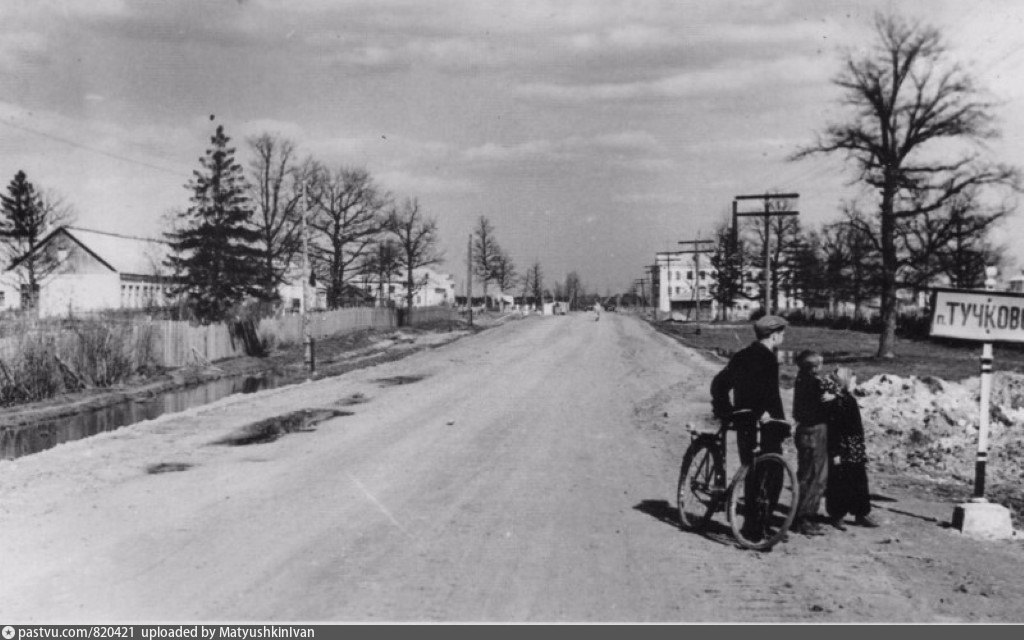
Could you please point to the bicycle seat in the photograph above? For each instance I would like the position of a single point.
(780, 429)
(741, 417)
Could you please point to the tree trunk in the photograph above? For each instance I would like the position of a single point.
(887, 339)
(409, 283)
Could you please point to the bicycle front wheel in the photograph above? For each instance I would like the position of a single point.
(763, 500)
(701, 482)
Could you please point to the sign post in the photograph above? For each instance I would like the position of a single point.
(985, 316)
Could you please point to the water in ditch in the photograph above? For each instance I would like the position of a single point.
(24, 440)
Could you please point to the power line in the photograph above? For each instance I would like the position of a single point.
(85, 147)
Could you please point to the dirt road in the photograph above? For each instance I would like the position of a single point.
(525, 473)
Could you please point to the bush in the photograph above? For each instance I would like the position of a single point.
(45, 362)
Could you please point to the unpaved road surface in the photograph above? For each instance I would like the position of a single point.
(525, 473)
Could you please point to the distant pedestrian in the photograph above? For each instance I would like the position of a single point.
(847, 492)
(812, 396)
(597, 310)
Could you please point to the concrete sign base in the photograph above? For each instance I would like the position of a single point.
(983, 520)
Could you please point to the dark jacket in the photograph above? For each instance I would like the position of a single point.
(808, 408)
(753, 377)
(846, 431)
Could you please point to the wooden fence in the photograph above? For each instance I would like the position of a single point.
(176, 344)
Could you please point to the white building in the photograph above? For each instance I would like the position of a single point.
(93, 271)
(675, 276)
(432, 288)
(678, 284)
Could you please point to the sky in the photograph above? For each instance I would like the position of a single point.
(591, 134)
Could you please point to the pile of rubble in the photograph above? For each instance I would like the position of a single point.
(930, 426)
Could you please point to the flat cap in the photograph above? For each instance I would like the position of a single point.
(767, 325)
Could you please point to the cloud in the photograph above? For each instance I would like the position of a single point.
(286, 129)
(625, 142)
(737, 77)
(413, 185)
(383, 150)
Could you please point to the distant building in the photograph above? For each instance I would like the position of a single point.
(675, 277)
(433, 288)
(94, 270)
(678, 285)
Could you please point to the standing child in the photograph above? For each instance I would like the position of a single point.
(847, 492)
(813, 395)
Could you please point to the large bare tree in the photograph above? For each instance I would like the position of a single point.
(417, 236)
(485, 253)
(348, 212)
(906, 99)
(274, 189)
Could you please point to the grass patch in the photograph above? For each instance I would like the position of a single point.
(920, 358)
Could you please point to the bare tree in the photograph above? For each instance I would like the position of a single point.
(485, 253)
(906, 97)
(27, 216)
(852, 253)
(784, 233)
(574, 291)
(950, 242)
(381, 262)
(274, 189)
(533, 284)
(349, 211)
(505, 274)
(417, 237)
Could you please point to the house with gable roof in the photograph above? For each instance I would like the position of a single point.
(95, 270)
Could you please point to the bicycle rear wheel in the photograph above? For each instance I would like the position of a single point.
(701, 482)
(763, 500)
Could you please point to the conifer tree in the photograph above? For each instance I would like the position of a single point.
(214, 247)
(27, 216)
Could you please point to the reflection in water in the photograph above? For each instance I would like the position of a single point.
(26, 439)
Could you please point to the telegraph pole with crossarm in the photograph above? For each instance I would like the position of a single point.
(767, 214)
(699, 247)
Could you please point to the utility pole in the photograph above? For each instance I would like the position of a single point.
(469, 278)
(699, 247)
(767, 214)
(308, 348)
(643, 293)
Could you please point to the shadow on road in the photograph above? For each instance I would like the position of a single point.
(665, 512)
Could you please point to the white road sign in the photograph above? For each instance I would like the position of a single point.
(985, 316)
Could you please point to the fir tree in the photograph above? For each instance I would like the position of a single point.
(24, 222)
(214, 254)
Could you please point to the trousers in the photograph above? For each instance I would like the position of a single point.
(812, 467)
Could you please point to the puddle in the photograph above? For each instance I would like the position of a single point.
(24, 440)
(271, 429)
(355, 398)
(394, 381)
(168, 467)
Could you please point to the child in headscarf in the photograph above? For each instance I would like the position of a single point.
(847, 492)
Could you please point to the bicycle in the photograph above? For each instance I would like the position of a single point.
(702, 492)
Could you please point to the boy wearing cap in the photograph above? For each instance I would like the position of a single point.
(752, 375)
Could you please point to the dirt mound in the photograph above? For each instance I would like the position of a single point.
(930, 426)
